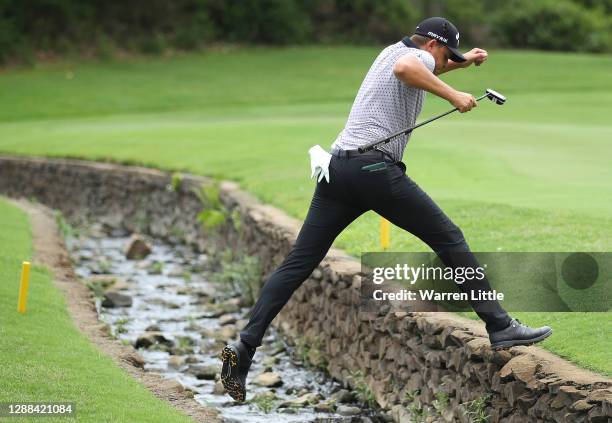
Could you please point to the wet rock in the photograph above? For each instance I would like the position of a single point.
(203, 372)
(227, 320)
(219, 310)
(153, 328)
(176, 271)
(133, 358)
(212, 313)
(114, 299)
(218, 388)
(175, 385)
(343, 397)
(192, 327)
(302, 401)
(270, 361)
(137, 248)
(85, 255)
(176, 362)
(278, 349)
(164, 303)
(192, 359)
(185, 290)
(268, 379)
(348, 410)
(149, 339)
(225, 333)
(325, 407)
(213, 346)
(144, 264)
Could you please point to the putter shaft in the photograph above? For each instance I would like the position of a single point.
(498, 98)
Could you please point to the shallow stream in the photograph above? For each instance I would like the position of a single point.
(179, 321)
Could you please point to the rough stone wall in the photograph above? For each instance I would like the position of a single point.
(399, 357)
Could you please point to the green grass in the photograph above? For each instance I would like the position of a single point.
(533, 175)
(45, 358)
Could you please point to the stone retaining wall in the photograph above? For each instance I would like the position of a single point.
(438, 360)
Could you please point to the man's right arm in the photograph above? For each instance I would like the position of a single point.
(412, 71)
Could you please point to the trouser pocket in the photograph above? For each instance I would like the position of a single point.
(375, 167)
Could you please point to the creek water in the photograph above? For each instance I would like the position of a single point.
(180, 319)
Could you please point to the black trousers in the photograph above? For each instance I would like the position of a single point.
(350, 193)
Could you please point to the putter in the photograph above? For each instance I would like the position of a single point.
(492, 95)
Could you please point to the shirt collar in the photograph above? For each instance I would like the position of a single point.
(408, 42)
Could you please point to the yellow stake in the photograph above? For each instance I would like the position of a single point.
(23, 287)
(385, 233)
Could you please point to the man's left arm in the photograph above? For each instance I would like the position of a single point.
(477, 56)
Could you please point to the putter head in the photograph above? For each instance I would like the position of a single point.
(495, 97)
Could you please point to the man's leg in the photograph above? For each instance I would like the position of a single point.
(327, 217)
(410, 208)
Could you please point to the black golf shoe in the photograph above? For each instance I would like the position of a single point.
(236, 364)
(517, 334)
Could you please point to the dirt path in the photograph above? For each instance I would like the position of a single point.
(50, 251)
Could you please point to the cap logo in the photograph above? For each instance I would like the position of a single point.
(438, 37)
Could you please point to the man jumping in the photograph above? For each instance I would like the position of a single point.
(389, 100)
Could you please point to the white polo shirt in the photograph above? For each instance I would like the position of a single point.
(384, 104)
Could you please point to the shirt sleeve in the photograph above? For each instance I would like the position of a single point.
(424, 56)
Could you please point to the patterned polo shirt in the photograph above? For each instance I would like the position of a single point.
(384, 104)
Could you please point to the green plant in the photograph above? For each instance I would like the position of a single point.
(418, 413)
(441, 402)
(244, 275)
(236, 220)
(265, 401)
(65, 229)
(99, 286)
(214, 214)
(411, 396)
(476, 409)
(364, 393)
(313, 355)
(156, 268)
(104, 266)
(176, 182)
(185, 341)
(302, 348)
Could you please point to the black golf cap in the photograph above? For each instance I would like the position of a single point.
(443, 31)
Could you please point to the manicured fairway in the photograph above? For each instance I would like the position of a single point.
(533, 175)
(45, 358)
